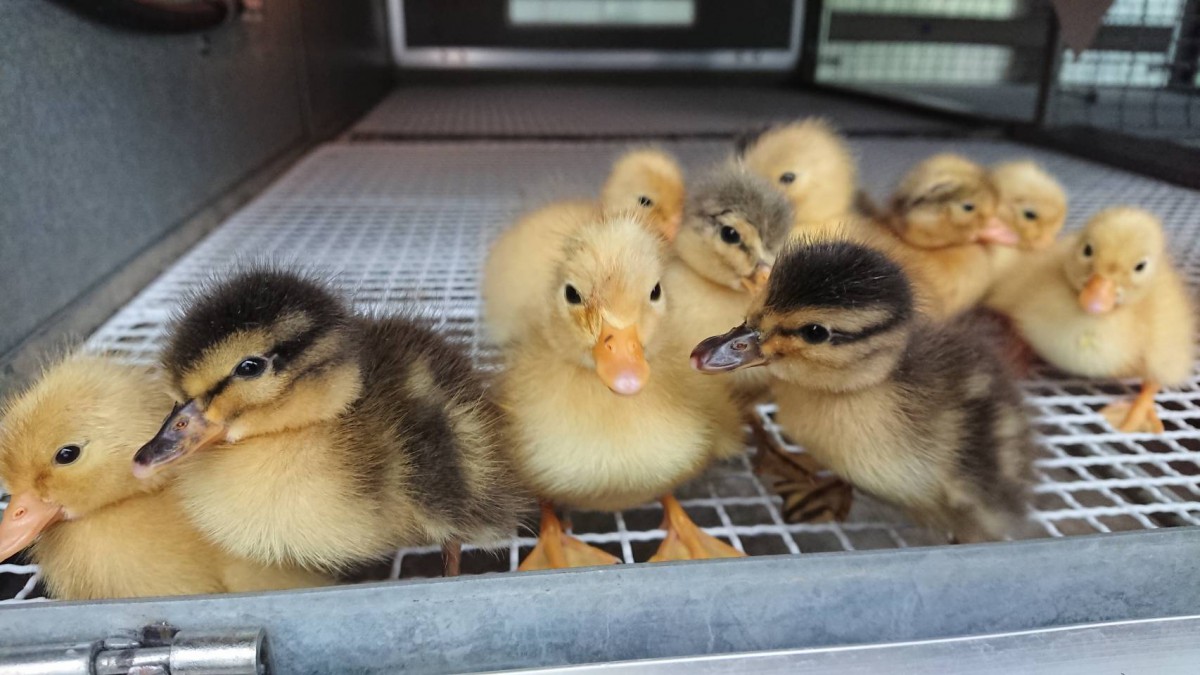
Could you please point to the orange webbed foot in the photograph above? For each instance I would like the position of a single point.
(1137, 416)
(685, 540)
(558, 550)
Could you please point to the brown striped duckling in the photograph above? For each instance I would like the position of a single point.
(919, 414)
(310, 435)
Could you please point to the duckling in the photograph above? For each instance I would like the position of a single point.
(1033, 205)
(312, 436)
(96, 531)
(606, 413)
(922, 415)
(813, 166)
(939, 222)
(1031, 202)
(734, 226)
(1106, 302)
(647, 182)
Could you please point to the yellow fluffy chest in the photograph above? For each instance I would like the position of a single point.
(699, 308)
(860, 437)
(1079, 343)
(581, 445)
(140, 547)
(282, 499)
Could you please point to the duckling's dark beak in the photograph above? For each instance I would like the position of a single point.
(26, 517)
(185, 431)
(739, 348)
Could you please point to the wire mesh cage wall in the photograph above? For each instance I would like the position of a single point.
(985, 57)
(1002, 59)
(1144, 82)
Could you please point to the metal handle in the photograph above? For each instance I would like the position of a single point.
(240, 651)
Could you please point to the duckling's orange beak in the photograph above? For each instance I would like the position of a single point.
(757, 279)
(1099, 296)
(739, 348)
(996, 231)
(620, 363)
(185, 431)
(26, 517)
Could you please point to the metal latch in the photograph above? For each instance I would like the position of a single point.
(154, 650)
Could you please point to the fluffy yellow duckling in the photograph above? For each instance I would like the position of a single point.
(96, 531)
(605, 410)
(647, 182)
(1033, 205)
(813, 166)
(1106, 302)
(1030, 201)
(919, 414)
(313, 436)
(940, 219)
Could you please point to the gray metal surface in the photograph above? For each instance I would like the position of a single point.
(546, 110)
(628, 612)
(110, 140)
(1160, 646)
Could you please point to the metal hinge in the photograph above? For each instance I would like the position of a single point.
(159, 649)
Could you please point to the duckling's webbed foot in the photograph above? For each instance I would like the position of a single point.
(1139, 415)
(557, 550)
(686, 541)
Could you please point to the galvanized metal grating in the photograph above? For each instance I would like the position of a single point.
(597, 111)
(398, 227)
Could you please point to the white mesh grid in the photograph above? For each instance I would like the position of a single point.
(397, 226)
(587, 111)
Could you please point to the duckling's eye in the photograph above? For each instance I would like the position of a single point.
(645, 201)
(1029, 214)
(1087, 250)
(67, 454)
(573, 296)
(656, 293)
(788, 178)
(1141, 266)
(251, 367)
(814, 333)
(730, 235)
(968, 207)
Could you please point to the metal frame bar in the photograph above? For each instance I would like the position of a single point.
(645, 611)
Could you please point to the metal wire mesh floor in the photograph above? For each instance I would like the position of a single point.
(589, 111)
(403, 226)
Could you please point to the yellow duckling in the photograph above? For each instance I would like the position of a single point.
(939, 221)
(1106, 302)
(605, 411)
(646, 182)
(813, 166)
(1033, 205)
(97, 532)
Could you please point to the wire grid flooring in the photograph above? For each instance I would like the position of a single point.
(405, 227)
(588, 111)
